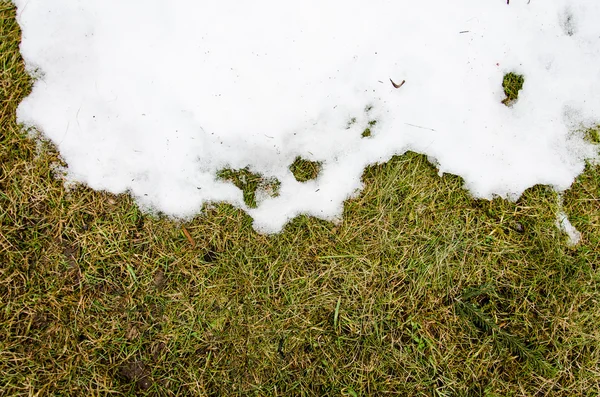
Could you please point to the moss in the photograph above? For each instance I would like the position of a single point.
(512, 84)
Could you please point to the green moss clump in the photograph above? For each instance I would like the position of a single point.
(512, 84)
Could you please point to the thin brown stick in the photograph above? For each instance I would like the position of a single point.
(188, 236)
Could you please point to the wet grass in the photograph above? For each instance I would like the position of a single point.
(420, 291)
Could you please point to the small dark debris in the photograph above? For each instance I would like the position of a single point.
(398, 85)
(280, 348)
(308, 348)
(70, 252)
(40, 321)
(139, 224)
(137, 372)
(159, 279)
(518, 227)
(155, 311)
(210, 256)
(568, 24)
(351, 122)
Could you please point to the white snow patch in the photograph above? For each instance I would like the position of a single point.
(154, 97)
(563, 223)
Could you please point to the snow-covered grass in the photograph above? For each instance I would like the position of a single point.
(420, 290)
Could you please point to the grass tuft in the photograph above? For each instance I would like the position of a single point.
(512, 83)
(367, 132)
(500, 337)
(250, 184)
(305, 170)
(592, 135)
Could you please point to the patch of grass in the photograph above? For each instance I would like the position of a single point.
(504, 340)
(593, 135)
(305, 170)
(99, 298)
(250, 183)
(367, 132)
(512, 83)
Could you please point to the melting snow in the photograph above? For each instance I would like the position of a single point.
(155, 97)
(563, 223)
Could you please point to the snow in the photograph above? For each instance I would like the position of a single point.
(153, 97)
(563, 223)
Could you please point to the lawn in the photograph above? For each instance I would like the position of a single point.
(420, 290)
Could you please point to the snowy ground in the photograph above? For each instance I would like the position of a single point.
(158, 97)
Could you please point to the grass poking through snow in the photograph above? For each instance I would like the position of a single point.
(367, 132)
(420, 291)
(251, 184)
(592, 135)
(305, 170)
(512, 83)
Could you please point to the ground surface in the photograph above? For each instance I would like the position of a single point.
(421, 290)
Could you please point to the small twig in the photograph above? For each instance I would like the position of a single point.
(418, 126)
(188, 236)
(398, 85)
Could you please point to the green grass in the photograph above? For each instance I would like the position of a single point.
(592, 135)
(512, 83)
(250, 184)
(419, 291)
(367, 132)
(371, 124)
(305, 170)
